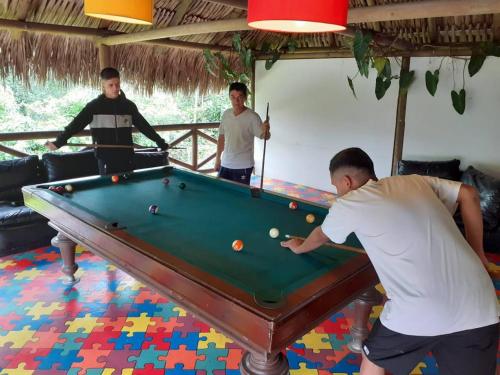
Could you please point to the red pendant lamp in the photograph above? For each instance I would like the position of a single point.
(298, 16)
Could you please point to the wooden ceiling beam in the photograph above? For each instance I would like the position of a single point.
(422, 9)
(177, 31)
(93, 34)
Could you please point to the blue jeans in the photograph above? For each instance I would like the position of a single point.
(237, 175)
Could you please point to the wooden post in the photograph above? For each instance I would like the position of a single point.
(399, 132)
(253, 86)
(104, 56)
(195, 149)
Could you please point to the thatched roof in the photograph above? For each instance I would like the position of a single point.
(74, 56)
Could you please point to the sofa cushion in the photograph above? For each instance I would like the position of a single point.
(16, 173)
(449, 169)
(150, 159)
(16, 214)
(70, 165)
(489, 195)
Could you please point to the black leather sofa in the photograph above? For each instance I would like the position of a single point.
(487, 186)
(23, 229)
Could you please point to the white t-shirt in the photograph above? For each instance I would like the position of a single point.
(239, 132)
(435, 282)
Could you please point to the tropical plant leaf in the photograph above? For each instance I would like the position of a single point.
(387, 69)
(475, 63)
(237, 42)
(361, 50)
(406, 79)
(431, 81)
(269, 64)
(458, 100)
(381, 86)
(379, 64)
(351, 85)
(248, 59)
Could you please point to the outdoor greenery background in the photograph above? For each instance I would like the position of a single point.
(52, 106)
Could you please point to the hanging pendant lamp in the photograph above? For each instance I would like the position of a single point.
(298, 16)
(129, 11)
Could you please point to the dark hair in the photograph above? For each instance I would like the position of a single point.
(238, 86)
(352, 157)
(108, 73)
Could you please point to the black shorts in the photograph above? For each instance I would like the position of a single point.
(237, 175)
(471, 352)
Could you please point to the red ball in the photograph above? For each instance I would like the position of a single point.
(293, 205)
(115, 179)
(237, 245)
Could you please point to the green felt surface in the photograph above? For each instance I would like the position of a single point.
(199, 224)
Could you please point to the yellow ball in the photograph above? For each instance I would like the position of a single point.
(237, 245)
(310, 218)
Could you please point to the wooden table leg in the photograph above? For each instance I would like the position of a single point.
(362, 309)
(255, 364)
(67, 249)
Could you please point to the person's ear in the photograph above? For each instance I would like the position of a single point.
(348, 181)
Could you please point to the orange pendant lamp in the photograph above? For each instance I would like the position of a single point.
(298, 16)
(129, 11)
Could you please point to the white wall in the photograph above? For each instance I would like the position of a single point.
(314, 115)
(434, 131)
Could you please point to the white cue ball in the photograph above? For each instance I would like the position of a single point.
(274, 232)
(68, 188)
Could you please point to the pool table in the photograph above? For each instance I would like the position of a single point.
(264, 297)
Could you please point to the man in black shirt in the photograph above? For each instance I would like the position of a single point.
(111, 117)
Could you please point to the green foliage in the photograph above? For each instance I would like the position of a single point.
(458, 100)
(218, 65)
(53, 106)
(351, 85)
(476, 62)
(431, 81)
(381, 86)
(362, 52)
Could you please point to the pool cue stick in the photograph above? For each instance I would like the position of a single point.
(95, 145)
(332, 244)
(264, 154)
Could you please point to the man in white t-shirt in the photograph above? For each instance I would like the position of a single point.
(238, 128)
(440, 296)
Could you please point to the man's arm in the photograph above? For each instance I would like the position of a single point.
(77, 125)
(315, 239)
(145, 128)
(468, 200)
(220, 148)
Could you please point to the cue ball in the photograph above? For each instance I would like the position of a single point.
(293, 205)
(182, 186)
(153, 209)
(115, 179)
(237, 245)
(166, 181)
(310, 218)
(274, 232)
(68, 188)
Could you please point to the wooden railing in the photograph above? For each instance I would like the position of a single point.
(194, 131)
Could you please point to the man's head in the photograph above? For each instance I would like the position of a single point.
(110, 79)
(350, 169)
(238, 95)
